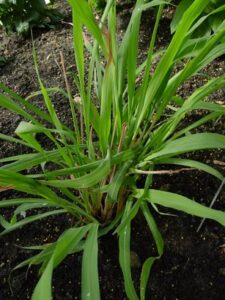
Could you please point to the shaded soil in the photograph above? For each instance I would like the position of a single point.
(193, 265)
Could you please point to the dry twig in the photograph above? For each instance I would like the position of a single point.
(162, 172)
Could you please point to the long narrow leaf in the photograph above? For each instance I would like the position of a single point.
(193, 164)
(90, 280)
(181, 203)
(85, 181)
(32, 219)
(190, 143)
(43, 289)
(124, 256)
(146, 268)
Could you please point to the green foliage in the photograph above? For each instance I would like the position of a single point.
(100, 4)
(124, 125)
(210, 20)
(2, 61)
(97, 3)
(21, 15)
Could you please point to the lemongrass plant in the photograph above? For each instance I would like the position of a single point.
(121, 136)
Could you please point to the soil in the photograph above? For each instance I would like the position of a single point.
(193, 265)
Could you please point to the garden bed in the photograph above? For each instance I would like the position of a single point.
(193, 265)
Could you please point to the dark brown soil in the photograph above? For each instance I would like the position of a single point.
(193, 265)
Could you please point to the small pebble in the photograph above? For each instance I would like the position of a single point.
(134, 260)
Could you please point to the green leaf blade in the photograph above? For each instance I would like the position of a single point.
(90, 281)
(198, 141)
(181, 203)
(43, 289)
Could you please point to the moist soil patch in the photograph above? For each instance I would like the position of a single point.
(193, 264)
